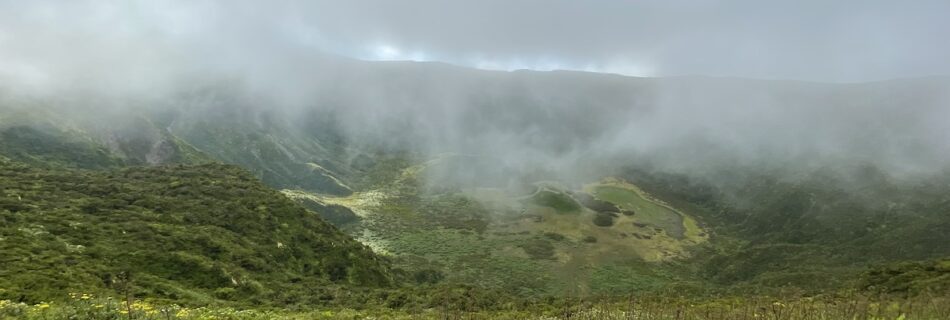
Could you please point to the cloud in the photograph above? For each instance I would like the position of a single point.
(806, 40)
(292, 57)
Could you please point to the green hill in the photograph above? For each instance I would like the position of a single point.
(195, 234)
(819, 231)
(48, 137)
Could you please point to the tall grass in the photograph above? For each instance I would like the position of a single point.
(84, 306)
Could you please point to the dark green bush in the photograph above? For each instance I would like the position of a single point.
(604, 219)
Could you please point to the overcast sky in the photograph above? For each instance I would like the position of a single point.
(808, 40)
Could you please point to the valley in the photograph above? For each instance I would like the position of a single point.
(541, 243)
(203, 204)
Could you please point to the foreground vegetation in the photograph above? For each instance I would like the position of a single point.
(202, 234)
(86, 306)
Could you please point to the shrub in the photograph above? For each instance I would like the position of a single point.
(595, 204)
(560, 202)
(428, 276)
(604, 219)
(554, 236)
(538, 249)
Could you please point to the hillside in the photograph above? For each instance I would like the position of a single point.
(819, 231)
(547, 240)
(50, 137)
(567, 183)
(194, 234)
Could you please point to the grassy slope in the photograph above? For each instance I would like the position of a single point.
(547, 244)
(539, 244)
(281, 154)
(195, 234)
(817, 232)
(42, 136)
(52, 147)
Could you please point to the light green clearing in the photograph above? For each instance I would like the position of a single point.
(647, 211)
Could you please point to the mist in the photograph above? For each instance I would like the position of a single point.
(294, 61)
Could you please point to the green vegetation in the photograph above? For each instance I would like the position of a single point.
(51, 147)
(908, 278)
(333, 213)
(454, 212)
(604, 219)
(85, 306)
(818, 232)
(589, 201)
(192, 234)
(276, 154)
(558, 201)
(213, 239)
(42, 137)
(538, 249)
(491, 240)
(648, 212)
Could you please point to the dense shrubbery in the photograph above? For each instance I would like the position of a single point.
(604, 219)
(909, 278)
(817, 231)
(454, 212)
(195, 234)
(336, 214)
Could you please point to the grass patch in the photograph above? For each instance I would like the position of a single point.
(646, 210)
(462, 303)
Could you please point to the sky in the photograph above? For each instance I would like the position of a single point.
(827, 41)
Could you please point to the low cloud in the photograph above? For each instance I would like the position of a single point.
(296, 57)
